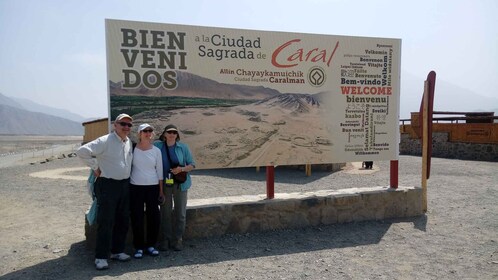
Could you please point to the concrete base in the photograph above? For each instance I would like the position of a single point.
(241, 214)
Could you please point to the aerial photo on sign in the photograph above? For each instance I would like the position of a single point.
(244, 98)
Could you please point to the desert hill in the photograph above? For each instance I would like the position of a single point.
(191, 85)
(20, 121)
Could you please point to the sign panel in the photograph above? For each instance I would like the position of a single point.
(255, 98)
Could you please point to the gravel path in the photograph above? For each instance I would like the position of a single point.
(42, 230)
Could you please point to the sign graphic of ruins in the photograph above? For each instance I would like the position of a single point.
(245, 98)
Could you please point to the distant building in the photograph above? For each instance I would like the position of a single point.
(459, 135)
(94, 129)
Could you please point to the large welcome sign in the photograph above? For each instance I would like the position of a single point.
(255, 98)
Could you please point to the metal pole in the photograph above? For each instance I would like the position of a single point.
(270, 182)
(394, 174)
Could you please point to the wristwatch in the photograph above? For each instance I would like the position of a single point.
(181, 168)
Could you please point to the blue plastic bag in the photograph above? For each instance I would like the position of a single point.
(90, 182)
(91, 214)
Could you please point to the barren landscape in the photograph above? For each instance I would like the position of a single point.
(16, 144)
(249, 135)
(42, 228)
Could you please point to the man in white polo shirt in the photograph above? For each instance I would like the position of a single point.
(110, 157)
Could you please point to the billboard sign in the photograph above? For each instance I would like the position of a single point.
(255, 98)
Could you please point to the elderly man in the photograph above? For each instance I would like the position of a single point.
(110, 158)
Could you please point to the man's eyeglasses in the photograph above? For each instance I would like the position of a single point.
(147, 130)
(172, 132)
(125, 124)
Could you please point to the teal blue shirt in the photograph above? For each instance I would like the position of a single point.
(184, 156)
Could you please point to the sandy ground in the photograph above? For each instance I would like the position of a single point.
(249, 135)
(27, 149)
(42, 228)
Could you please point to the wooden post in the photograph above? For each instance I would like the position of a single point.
(425, 142)
(307, 169)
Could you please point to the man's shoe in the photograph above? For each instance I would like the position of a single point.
(178, 245)
(101, 264)
(122, 257)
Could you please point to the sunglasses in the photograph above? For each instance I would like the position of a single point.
(172, 132)
(147, 130)
(125, 124)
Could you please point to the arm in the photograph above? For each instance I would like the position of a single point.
(89, 151)
(188, 159)
(188, 168)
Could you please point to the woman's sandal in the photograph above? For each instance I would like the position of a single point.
(153, 252)
(138, 254)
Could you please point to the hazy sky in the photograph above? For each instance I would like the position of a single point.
(53, 52)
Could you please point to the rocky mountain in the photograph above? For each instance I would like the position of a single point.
(35, 107)
(4, 100)
(17, 120)
(191, 85)
(28, 105)
(447, 97)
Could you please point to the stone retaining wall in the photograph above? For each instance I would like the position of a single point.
(218, 216)
(441, 147)
(242, 214)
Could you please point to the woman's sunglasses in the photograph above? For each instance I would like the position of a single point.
(172, 132)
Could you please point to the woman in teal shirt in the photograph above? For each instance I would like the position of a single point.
(176, 158)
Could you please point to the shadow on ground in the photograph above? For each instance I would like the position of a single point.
(78, 263)
(283, 174)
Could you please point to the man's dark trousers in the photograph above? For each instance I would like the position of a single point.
(113, 216)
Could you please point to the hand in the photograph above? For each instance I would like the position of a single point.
(161, 199)
(97, 172)
(176, 170)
